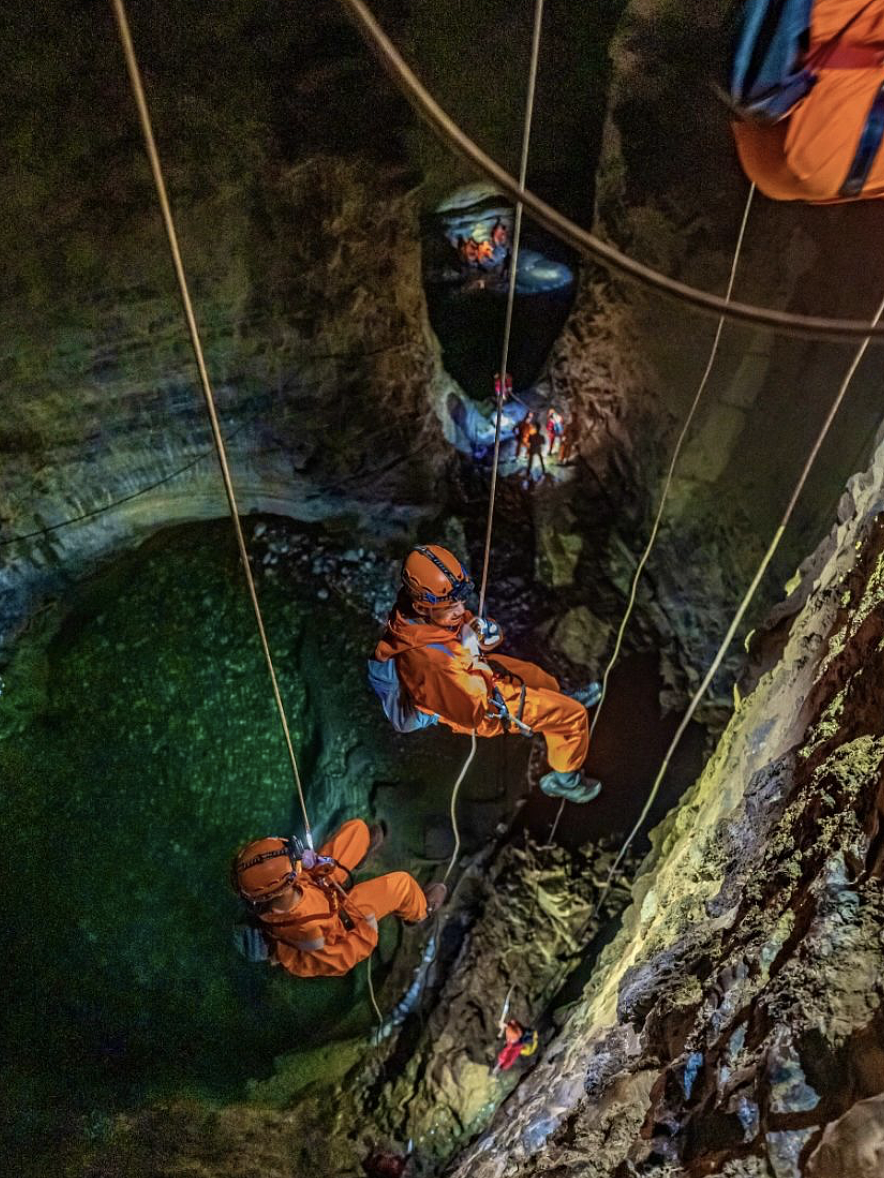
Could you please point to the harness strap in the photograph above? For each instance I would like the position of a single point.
(333, 892)
(845, 56)
(508, 719)
(502, 672)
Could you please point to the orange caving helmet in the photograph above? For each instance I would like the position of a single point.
(433, 577)
(264, 868)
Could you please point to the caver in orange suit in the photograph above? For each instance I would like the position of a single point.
(809, 154)
(445, 672)
(311, 939)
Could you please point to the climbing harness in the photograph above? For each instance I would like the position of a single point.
(784, 322)
(172, 237)
(507, 719)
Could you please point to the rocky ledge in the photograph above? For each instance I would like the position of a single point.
(733, 1028)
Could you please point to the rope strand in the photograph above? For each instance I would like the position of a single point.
(669, 474)
(172, 236)
(784, 322)
(511, 290)
(504, 361)
(744, 604)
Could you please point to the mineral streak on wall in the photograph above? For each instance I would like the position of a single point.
(734, 1026)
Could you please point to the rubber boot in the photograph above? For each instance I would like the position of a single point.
(573, 787)
(589, 695)
(436, 894)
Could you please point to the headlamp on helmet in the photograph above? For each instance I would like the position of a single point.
(263, 869)
(433, 576)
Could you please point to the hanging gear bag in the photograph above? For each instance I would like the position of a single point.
(768, 70)
(774, 65)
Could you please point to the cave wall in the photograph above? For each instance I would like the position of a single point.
(731, 1029)
(304, 265)
(322, 363)
(670, 192)
(299, 207)
(733, 1026)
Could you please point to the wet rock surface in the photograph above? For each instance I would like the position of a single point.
(733, 1029)
(431, 1081)
(735, 1022)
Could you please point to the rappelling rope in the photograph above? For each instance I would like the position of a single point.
(374, 1001)
(504, 362)
(744, 604)
(666, 488)
(511, 292)
(159, 182)
(816, 327)
(453, 808)
(669, 474)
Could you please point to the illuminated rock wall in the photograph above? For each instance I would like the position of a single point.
(322, 361)
(738, 1014)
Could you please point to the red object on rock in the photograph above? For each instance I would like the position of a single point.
(508, 1055)
(519, 1041)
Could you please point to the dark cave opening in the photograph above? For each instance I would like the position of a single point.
(631, 720)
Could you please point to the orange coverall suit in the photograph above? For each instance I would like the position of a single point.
(443, 672)
(311, 940)
(808, 154)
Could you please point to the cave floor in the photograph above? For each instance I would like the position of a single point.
(142, 745)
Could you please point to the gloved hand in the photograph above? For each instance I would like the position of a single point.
(487, 631)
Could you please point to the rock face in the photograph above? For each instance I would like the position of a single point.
(301, 236)
(431, 1080)
(322, 361)
(733, 1027)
